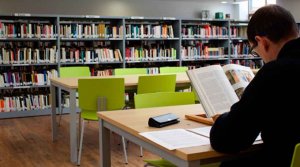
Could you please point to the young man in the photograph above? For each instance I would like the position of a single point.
(270, 104)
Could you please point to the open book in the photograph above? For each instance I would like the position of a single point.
(218, 88)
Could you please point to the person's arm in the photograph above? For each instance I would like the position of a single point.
(236, 130)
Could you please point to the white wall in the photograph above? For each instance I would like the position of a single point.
(293, 6)
(155, 8)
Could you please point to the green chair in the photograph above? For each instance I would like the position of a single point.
(296, 156)
(168, 70)
(130, 71)
(156, 83)
(103, 94)
(174, 70)
(162, 99)
(72, 72)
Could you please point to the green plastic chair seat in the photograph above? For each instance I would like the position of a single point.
(130, 71)
(89, 115)
(89, 90)
(160, 99)
(71, 72)
(160, 163)
(296, 156)
(156, 83)
(168, 70)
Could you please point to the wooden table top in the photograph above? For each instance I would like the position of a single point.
(130, 80)
(135, 121)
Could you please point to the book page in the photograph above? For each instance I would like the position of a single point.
(238, 76)
(213, 89)
(205, 131)
(176, 138)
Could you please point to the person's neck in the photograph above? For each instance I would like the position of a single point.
(279, 45)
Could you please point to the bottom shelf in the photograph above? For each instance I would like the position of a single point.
(31, 113)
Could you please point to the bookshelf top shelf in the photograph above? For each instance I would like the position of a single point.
(28, 39)
(24, 87)
(152, 39)
(91, 39)
(35, 64)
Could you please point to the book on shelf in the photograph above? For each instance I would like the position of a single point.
(218, 88)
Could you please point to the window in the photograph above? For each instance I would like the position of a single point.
(255, 4)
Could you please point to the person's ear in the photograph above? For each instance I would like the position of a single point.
(263, 41)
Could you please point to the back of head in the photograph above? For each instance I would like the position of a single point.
(273, 22)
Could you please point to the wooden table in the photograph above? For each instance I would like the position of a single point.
(129, 123)
(71, 84)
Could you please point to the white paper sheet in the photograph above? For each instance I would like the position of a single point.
(176, 138)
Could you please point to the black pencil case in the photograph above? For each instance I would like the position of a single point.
(163, 120)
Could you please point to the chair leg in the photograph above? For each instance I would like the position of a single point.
(141, 151)
(60, 114)
(79, 129)
(124, 150)
(81, 140)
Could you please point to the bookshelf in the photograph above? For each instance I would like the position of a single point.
(151, 42)
(204, 42)
(92, 41)
(28, 58)
(34, 47)
(239, 46)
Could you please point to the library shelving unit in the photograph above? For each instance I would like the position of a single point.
(28, 58)
(93, 41)
(204, 42)
(34, 47)
(151, 41)
(239, 46)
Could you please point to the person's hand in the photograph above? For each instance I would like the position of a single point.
(215, 117)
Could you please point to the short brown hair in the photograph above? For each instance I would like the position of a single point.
(272, 21)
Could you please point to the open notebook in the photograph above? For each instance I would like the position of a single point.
(181, 138)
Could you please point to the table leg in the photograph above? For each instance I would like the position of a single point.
(73, 127)
(104, 145)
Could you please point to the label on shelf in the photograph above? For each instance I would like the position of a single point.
(92, 16)
(137, 17)
(22, 14)
(168, 18)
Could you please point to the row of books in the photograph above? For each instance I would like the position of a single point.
(150, 54)
(100, 30)
(27, 30)
(109, 72)
(90, 55)
(241, 48)
(253, 64)
(201, 51)
(149, 31)
(204, 31)
(24, 103)
(238, 32)
(28, 55)
(34, 78)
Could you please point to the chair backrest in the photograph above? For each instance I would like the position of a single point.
(113, 89)
(130, 71)
(160, 99)
(156, 83)
(69, 72)
(168, 70)
(296, 156)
